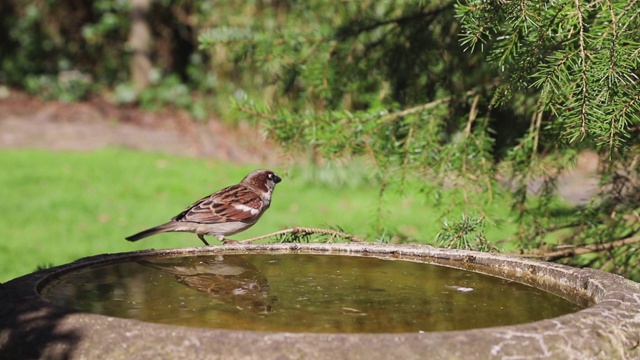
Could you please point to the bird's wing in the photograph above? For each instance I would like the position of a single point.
(234, 203)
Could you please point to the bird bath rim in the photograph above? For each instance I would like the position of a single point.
(609, 327)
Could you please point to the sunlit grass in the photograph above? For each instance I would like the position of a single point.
(60, 206)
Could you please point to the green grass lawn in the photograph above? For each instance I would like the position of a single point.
(60, 206)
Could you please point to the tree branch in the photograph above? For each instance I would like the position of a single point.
(583, 73)
(351, 31)
(302, 231)
(581, 250)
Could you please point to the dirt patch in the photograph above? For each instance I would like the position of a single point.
(28, 122)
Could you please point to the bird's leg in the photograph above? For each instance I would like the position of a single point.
(203, 240)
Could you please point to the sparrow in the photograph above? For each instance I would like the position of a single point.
(226, 212)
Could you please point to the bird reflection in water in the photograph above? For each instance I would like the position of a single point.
(230, 279)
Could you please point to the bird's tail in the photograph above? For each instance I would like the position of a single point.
(154, 230)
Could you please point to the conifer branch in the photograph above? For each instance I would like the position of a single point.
(256, 113)
(630, 7)
(581, 250)
(302, 231)
(351, 31)
(420, 108)
(583, 73)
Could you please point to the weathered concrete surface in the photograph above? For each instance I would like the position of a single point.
(608, 329)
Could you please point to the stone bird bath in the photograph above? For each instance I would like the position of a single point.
(608, 327)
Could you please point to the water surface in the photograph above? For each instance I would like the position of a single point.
(303, 293)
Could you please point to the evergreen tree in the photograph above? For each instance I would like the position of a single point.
(467, 95)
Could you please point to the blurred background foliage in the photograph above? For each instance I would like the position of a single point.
(486, 98)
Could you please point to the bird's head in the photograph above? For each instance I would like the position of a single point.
(262, 180)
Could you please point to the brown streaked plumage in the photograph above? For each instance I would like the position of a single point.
(226, 212)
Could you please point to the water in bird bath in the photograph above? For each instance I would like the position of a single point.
(303, 293)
